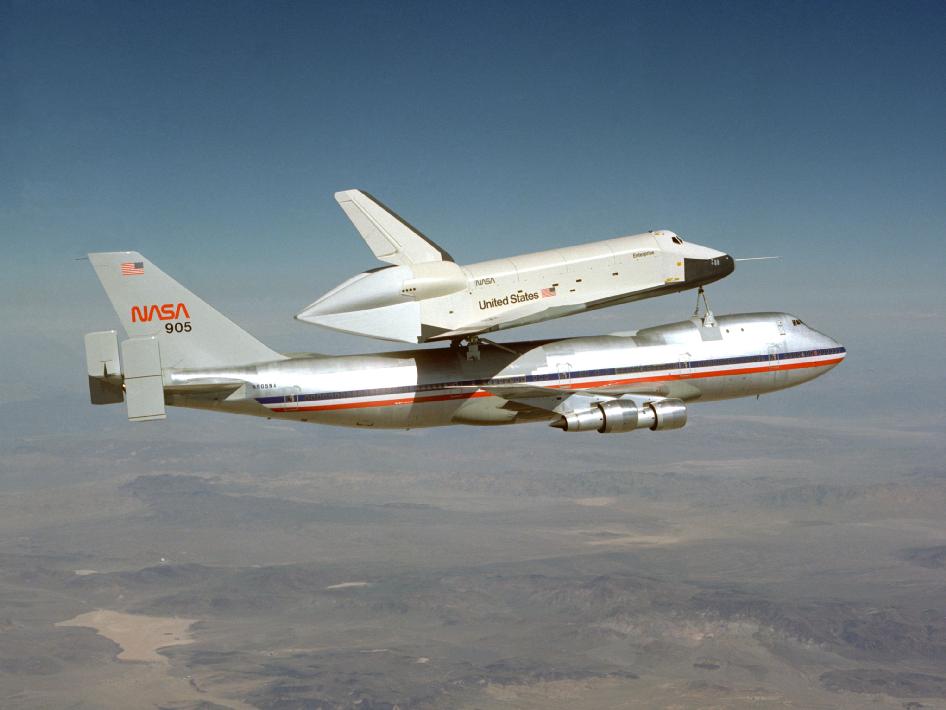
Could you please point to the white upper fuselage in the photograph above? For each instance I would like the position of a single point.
(442, 300)
(740, 355)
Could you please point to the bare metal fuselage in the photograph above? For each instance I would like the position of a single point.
(741, 355)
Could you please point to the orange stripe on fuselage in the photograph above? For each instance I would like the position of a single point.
(387, 402)
(699, 375)
(567, 386)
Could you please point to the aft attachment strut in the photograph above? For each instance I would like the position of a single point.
(471, 346)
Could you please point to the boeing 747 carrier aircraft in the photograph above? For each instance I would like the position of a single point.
(182, 352)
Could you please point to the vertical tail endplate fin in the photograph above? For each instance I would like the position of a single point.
(144, 384)
(389, 237)
(190, 333)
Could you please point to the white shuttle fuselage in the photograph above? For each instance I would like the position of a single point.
(425, 296)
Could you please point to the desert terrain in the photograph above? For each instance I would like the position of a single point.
(207, 561)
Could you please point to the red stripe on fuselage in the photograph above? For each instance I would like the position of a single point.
(567, 386)
(387, 402)
(698, 375)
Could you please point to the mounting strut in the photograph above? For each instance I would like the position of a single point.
(708, 319)
(471, 346)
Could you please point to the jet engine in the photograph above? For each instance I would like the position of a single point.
(617, 415)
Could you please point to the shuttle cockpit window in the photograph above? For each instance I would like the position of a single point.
(795, 321)
(677, 240)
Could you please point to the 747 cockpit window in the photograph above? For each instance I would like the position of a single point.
(795, 321)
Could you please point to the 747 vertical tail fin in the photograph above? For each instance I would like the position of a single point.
(189, 331)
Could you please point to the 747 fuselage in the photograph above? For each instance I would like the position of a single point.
(736, 356)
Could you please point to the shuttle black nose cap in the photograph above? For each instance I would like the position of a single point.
(699, 272)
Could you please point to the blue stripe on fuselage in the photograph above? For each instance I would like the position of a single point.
(549, 377)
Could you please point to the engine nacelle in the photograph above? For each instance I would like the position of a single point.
(669, 414)
(616, 415)
(584, 420)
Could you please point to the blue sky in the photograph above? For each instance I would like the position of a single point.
(211, 136)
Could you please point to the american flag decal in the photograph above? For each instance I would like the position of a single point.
(133, 268)
(546, 292)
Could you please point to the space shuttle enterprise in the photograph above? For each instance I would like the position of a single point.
(423, 295)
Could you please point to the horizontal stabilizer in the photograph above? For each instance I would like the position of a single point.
(389, 237)
(103, 367)
(207, 392)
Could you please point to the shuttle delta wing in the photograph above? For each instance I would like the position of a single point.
(389, 237)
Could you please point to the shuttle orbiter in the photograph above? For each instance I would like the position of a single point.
(424, 295)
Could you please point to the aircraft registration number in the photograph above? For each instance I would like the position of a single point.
(179, 327)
